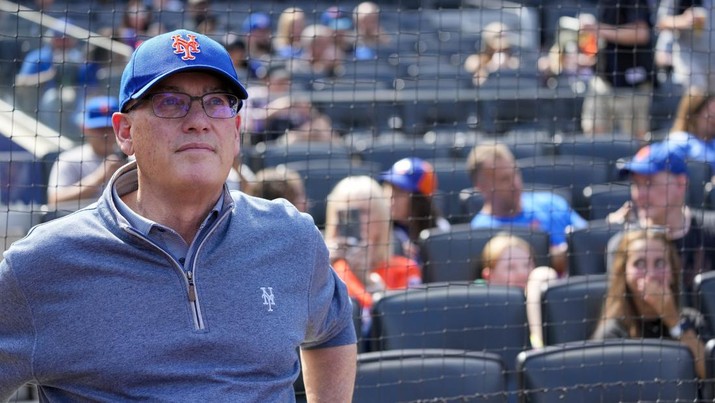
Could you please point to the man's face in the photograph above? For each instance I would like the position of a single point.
(705, 121)
(655, 194)
(500, 181)
(180, 153)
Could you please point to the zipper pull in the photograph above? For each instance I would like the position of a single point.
(192, 289)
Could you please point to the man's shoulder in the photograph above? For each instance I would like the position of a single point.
(278, 211)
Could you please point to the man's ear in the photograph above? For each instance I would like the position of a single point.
(121, 123)
(486, 272)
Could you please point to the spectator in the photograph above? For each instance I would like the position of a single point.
(239, 56)
(687, 22)
(321, 55)
(258, 30)
(137, 24)
(572, 55)
(693, 129)
(643, 294)
(308, 124)
(81, 173)
(287, 41)
(169, 264)
(280, 182)
(47, 80)
(196, 11)
(494, 173)
(497, 53)
(341, 24)
(659, 184)
(622, 88)
(410, 184)
(369, 37)
(259, 114)
(508, 260)
(357, 232)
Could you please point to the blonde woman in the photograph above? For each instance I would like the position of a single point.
(358, 234)
(287, 41)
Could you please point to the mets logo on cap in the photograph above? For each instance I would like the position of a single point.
(184, 47)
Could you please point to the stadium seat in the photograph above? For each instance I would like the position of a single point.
(576, 172)
(390, 151)
(620, 370)
(605, 198)
(704, 289)
(699, 176)
(708, 385)
(571, 307)
(451, 179)
(454, 255)
(609, 147)
(587, 247)
(273, 154)
(429, 375)
(454, 315)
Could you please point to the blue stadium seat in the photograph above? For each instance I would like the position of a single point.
(608, 371)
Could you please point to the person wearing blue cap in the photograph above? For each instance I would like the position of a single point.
(81, 173)
(257, 28)
(659, 184)
(410, 184)
(171, 287)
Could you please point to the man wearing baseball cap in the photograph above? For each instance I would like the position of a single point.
(410, 184)
(171, 287)
(659, 184)
(81, 173)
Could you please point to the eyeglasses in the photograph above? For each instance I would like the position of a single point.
(174, 105)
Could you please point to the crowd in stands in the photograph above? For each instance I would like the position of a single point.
(376, 216)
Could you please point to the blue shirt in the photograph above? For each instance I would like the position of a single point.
(539, 210)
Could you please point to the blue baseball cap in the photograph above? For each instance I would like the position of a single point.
(337, 19)
(256, 21)
(173, 52)
(655, 158)
(412, 174)
(98, 112)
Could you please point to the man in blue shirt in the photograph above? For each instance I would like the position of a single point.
(494, 173)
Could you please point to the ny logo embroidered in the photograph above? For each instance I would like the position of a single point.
(188, 48)
(268, 298)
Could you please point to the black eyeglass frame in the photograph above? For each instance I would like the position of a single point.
(192, 98)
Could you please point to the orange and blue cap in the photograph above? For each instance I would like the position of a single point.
(174, 52)
(412, 174)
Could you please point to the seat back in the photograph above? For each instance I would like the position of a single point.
(605, 198)
(571, 307)
(454, 315)
(269, 155)
(704, 289)
(609, 147)
(575, 172)
(587, 247)
(608, 371)
(429, 374)
(454, 255)
(699, 175)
